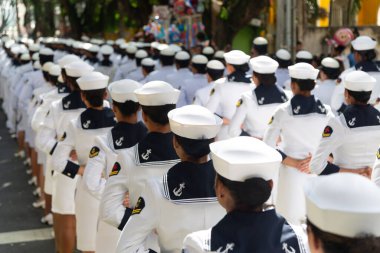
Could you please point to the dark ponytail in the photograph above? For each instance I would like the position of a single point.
(194, 148)
(250, 194)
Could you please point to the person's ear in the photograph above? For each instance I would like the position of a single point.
(105, 95)
(270, 182)
(144, 117)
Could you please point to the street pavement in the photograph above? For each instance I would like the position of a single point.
(20, 227)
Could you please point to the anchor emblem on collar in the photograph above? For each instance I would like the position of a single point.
(178, 191)
(378, 118)
(287, 249)
(297, 109)
(322, 108)
(352, 122)
(261, 100)
(62, 90)
(87, 124)
(67, 104)
(145, 155)
(229, 246)
(119, 142)
(284, 98)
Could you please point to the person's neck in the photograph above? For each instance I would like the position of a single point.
(99, 108)
(303, 93)
(132, 119)
(157, 128)
(203, 159)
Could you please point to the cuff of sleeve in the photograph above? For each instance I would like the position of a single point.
(282, 154)
(53, 148)
(127, 214)
(330, 169)
(71, 169)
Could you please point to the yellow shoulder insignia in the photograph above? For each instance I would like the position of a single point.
(239, 103)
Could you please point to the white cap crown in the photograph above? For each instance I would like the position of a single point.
(303, 71)
(124, 90)
(93, 81)
(263, 64)
(359, 81)
(303, 54)
(156, 93)
(283, 54)
(236, 57)
(78, 69)
(215, 64)
(55, 70)
(329, 62)
(199, 59)
(363, 43)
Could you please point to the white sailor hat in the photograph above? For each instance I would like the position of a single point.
(167, 52)
(359, 81)
(25, 57)
(208, 50)
(303, 71)
(37, 65)
(283, 54)
(47, 65)
(69, 58)
(46, 51)
(78, 69)
(219, 54)
(55, 70)
(363, 43)
(329, 62)
(131, 49)
(182, 56)
(9, 43)
(34, 47)
(236, 57)
(156, 93)
(148, 62)
(85, 38)
(303, 54)
(96, 41)
(263, 64)
(154, 44)
(141, 53)
(110, 42)
(35, 56)
(175, 48)
(124, 90)
(215, 64)
(259, 41)
(77, 44)
(343, 204)
(162, 47)
(93, 81)
(60, 79)
(91, 47)
(106, 49)
(199, 59)
(119, 41)
(194, 122)
(15, 49)
(241, 158)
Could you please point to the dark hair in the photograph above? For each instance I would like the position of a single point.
(131, 56)
(339, 49)
(332, 243)
(166, 60)
(138, 61)
(158, 114)
(367, 55)
(283, 63)
(148, 69)
(94, 97)
(265, 79)
(261, 49)
(72, 83)
(127, 108)
(331, 73)
(248, 195)
(46, 75)
(360, 96)
(304, 84)
(182, 63)
(200, 68)
(242, 68)
(215, 74)
(298, 60)
(53, 79)
(194, 148)
(45, 58)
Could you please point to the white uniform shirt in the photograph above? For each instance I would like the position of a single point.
(161, 74)
(282, 75)
(190, 87)
(324, 90)
(176, 79)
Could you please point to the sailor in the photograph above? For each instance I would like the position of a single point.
(259, 46)
(301, 56)
(342, 214)
(126, 133)
(106, 66)
(182, 62)
(284, 60)
(214, 73)
(256, 107)
(326, 84)
(167, 67)
(128, 66)
(151, 157)
(219, 55)
(354, 136)
(224, 96)
(185, 194)
(137, 74)
(208, 52)
(299, 123)
(196, 82)
(246, 169)
(95, 120)
(365, 55)
(147, 66)
(91, 52)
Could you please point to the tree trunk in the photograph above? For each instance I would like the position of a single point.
(75, 24)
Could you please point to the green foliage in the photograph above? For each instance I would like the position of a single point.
(356, 6)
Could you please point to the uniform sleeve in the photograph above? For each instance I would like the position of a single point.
(46, 139)
(274, 129)
(337, 98)
(141, 225)
(112, 210)
(376, 169)
(195, 242)
(214, 101)
(61, 156)
(182, 98)
(330, 140)
(97, 161)
(234, 128)
(197, 99)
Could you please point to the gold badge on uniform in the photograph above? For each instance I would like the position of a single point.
(139, 206)
(115, 169)
(212, 92)
(63, 137)
(94, 152)
(378, 154)
(271, 121)
(327, 132)
(239, 103)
